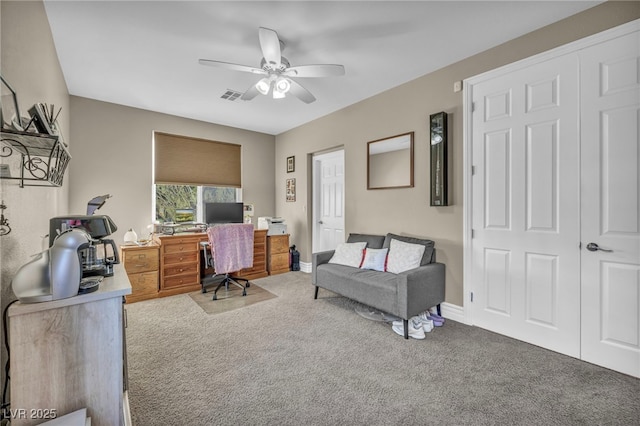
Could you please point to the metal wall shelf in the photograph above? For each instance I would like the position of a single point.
(44, 158)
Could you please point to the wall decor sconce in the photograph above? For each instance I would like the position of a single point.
(438, 133)
(4, 223)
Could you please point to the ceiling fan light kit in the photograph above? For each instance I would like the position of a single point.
(278, 71)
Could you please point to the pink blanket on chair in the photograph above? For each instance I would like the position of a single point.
(232, 246)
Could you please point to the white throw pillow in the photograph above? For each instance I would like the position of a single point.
(375, 259)
(404, 256)
(348, 254)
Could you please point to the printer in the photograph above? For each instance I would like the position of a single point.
(274, 225)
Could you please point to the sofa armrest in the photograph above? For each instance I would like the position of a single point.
(421, 288)
(318, 259)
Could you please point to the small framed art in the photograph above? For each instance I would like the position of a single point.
(291, 164)
(9, 111)
(291, 190)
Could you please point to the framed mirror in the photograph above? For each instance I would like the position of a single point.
(390, 162)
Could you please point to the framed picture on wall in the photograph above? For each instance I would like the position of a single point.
(291, 190)
(9, 111)
(438, 133)
(291, 164)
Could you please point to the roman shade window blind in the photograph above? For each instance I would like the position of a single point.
(182, 160)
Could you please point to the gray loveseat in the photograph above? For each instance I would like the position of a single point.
(404, 295)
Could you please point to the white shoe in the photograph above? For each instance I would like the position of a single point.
(427, 324)
(415, 328)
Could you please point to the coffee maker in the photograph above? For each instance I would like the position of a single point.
(55, 273)
(99, 256)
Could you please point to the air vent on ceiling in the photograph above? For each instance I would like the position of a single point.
(231, 95)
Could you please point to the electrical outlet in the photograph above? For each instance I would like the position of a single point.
(457, 86)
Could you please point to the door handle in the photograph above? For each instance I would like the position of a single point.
(595, 247)
(320, 222)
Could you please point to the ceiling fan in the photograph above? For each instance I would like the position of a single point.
(277, 71)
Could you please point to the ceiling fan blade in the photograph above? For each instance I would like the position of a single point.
(328, 70)
(230, 66)
(301, 93)
(251, 93)
(270, 44)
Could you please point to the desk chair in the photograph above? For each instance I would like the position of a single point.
(231, 248)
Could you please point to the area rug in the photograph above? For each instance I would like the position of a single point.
(231, 299)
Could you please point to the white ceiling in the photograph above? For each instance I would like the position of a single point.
(145, 54)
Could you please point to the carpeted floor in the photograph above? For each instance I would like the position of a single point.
(293, 360)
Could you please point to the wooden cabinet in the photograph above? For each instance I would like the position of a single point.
(181, 268)
(278, 254)
(69, 354)
(141, 264)
(259, 269)
(179, 263)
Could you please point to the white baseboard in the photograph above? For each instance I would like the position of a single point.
(305, 267)
(453, 312)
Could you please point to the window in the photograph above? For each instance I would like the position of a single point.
(185, 203)
(189, 172)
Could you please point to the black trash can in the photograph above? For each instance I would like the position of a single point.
(294, 256)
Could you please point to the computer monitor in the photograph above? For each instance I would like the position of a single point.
(223, 213)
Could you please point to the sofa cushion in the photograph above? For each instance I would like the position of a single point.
(428, 255)
(375, 259)
(348, 254)
(404, 256)
(373, 241)
(373, 288)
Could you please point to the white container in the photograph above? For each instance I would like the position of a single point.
(130, 237)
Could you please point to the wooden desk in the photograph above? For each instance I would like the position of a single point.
(180, 268)
(68, 354)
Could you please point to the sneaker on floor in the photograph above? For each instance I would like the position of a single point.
(427, 324)
(415, 328)
(426, 315)
(433, 312)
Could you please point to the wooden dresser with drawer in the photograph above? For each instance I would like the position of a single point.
(141, 264)
(180, 266)
(277, 254)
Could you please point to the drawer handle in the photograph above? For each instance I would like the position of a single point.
(181, 248)
(141, 265)
(180, 270)
(142, 256)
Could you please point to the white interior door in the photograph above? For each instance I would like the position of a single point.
(610, 204)
(525, 243)
(328, 210)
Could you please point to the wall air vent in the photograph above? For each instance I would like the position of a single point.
(231, 95)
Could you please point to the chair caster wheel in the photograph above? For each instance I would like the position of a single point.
(214, 297)
(204, 290)
(244, 293)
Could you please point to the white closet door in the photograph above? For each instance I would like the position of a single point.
(611, 204)
(525, 244)
(328, 226)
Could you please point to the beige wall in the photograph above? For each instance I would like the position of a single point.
(28, 61)
(403, 109)
(113, 155)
